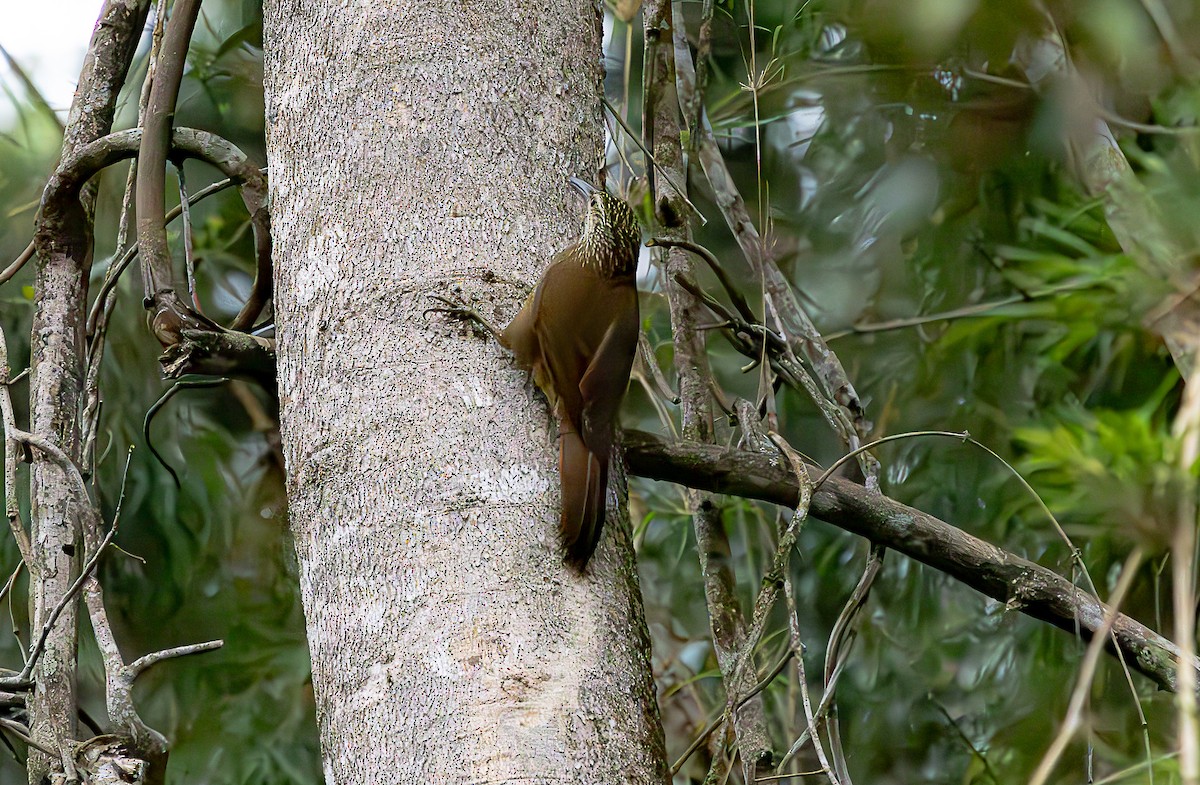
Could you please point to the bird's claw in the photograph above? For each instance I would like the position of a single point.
(456, 308)
(461, 310)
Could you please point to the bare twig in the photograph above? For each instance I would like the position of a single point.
(118, 686)
(1186, 430)
(662, 129)
(693, 105)
(735, 296)
(84, 574)
(183, 384)
(781, 777)
(779, 299)
(698, 742)
(12, 510)
(119, 677)
(661, 385)
(763, 602)
(12, 579)
(978, 754)
(763, 683)
(1083, 684)
(81, 490)
(189, 251)
(155, 144)
(194, 343)
(143, 663)
(760, 343)
(835, 656)
(6, 592)
(1146, 128)
(16, 265)
(22, 733)
(841, 638)
(119, 265)
(105, 301)
(165, 307)
(632, 135)
(798, 648)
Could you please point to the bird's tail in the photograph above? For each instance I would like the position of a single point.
(584, 479)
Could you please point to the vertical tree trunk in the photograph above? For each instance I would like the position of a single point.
(413, 147)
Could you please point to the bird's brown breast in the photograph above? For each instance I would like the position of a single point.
(563, 324)
(577, 335)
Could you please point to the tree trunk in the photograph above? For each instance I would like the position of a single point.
(414, 147)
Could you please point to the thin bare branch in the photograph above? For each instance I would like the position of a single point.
(735, 296)
(1186, 429)
(661, 385)
(105, 301)
(660, 116)
(693, 104)
(798, 648)
(22, 733)
(52, 619)
(763, 683)
(8, 420)
(194, 344)
(119, 265)
(653, 162)
(1087, 670)
(780, 299)
(63, 240)
(16, 265)
(143, 663)
(189, 250)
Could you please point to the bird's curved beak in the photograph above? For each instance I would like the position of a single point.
(583, 186)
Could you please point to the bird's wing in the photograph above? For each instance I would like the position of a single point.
(520, 336)
(562, 319)
(603, 383)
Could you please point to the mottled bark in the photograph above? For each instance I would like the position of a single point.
(412, 148)
(64, 249)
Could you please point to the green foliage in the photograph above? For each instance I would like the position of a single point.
(883, 149)
(897, 183)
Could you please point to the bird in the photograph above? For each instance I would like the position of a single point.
(577, 334)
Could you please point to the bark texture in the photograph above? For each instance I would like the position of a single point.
(414, 147)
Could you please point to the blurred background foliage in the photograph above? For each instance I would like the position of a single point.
(900, 167)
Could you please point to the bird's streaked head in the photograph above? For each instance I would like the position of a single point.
(611, 234)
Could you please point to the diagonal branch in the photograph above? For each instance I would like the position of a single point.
(1019, 583)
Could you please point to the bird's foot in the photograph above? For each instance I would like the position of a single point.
(463, 311)
(489, 277)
